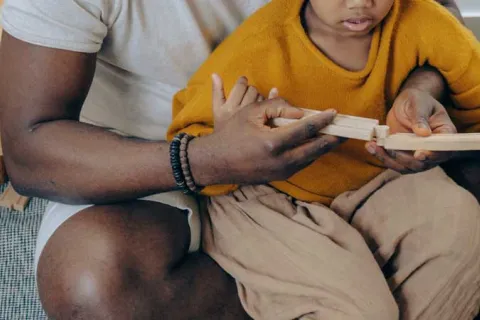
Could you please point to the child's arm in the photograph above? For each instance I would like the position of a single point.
(455, 53)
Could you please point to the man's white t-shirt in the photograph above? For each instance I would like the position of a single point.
(147, 49)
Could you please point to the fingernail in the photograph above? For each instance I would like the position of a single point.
(331, 111)
(215, 77)
(420, 156)
(273, 93)
(423, 125)
(371, 149)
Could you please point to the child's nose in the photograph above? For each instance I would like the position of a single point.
(354, 4)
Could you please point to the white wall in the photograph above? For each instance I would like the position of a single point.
(471, 11)
(469, 7)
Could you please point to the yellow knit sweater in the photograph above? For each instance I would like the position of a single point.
(272, 50)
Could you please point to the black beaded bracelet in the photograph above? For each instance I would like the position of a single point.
(180, 164)
(187, 174)
(175, 161)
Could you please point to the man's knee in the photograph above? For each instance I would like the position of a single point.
(106, 261)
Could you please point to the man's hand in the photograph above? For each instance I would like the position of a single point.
(241, 95)
(415, 111)
(245, 150)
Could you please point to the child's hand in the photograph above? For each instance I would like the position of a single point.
(418, 112)
(241, 95)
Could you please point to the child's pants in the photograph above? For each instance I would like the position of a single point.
(410, 249)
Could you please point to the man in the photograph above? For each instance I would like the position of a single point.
(118, 63)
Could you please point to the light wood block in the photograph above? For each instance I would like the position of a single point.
(346, 120)
(368, 129)
(342, 126)
(10, 199)
(435, 142)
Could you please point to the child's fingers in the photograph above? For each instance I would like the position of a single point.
(422, 155)
(238, 92)
(385, 158)
(250, 96)
(408, 161)
(433, 156)
(218, 93)
(273, 93)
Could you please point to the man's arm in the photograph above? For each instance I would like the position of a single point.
(50, 154)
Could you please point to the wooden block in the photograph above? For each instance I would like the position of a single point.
(336, 130)
(368, 129)
(349, 132)
(10, 199)
(342, 126)
(435, 142)
(347, 121)
(381, 133)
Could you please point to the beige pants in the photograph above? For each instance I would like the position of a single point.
(403, 247)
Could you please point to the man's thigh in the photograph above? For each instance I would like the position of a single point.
(131, 261)
(56, 214)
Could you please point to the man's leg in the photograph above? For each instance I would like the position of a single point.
(425, 233)
(130, 261)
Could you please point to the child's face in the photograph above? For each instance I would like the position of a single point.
(354, 17)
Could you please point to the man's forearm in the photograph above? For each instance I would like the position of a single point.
(86, 164)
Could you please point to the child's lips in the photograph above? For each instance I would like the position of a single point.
(358, 24)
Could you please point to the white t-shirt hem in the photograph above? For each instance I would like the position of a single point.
(47, 42)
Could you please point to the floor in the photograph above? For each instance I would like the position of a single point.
(18, 232)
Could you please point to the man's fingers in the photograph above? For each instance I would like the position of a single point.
(313, 149)
(250, 96)
(304, 129)
(238, 92)
(218, 93)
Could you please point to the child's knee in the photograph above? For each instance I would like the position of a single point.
(456, 219)
(382, 308)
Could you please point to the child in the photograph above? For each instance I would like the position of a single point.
(285, 244)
